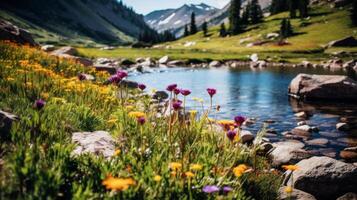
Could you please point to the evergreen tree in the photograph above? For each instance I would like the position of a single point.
(278, 6)
(285, 28)
(354, 13)
(246, 14)
(293, 5)
(234, 17)
(193, 27)
(256, 13)
(223, 31)
(186, 33)
(303, 8)
(204, 28)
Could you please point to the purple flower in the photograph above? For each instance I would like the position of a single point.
(114, 79)
(141, 120)
(177, 91)
(211, 91)
(227, 189)
(231, 135)
(39, 104)
(171, 87)
(82, 77)
(239, 120)
(122, 74)
(177, 105)
(141, 86)
(210, 189)
(185, 92)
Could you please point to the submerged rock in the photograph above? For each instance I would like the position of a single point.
(324, 177)
(97, 143)
(331, 87)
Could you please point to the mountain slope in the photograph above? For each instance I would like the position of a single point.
(175, 19)
(102, 21)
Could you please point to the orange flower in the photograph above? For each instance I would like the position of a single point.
(240, 170)
(189, 174)
(290, 167)
(118, 184)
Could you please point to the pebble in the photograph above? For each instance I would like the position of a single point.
(318, 142)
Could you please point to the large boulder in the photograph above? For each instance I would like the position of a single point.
(48, 48)
(97, 143)
(6, 120)
(246, 136)
(348, 196)
(344, 42)
(164, 60)
(65, 50)
(287, 152)
(330, 87)
(324, 177)
(295, 195)
(13, 33)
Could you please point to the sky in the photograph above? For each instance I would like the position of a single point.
(146, 6)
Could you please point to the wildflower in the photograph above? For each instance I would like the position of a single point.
(129, 107)
(117, 152)
(118, 184)
(211, 91)
(171, 87)
(196, 167)
(141, 120)
(240, 170)
(141, 86)
(45, 95)
(174, 173)
(185, 92)
(157, 178)
(193, 113)
(39, 104)
(227, 189)
(226, 124)
(177, 91)
(175, 166)
(239, 120)
(288, 189)
(122, 74)
(210, 189)
(189, 174)
(10, 79)
(231, 135)
(82, 77)
(136, 114)
(290, 167)
(177, 105)
(114, 79)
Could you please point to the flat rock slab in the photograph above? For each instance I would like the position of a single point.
(324, 177)
(330, 87)
(97, 143)
(287, 152)
(295, 195)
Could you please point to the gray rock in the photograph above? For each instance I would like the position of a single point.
(306, 128)
(160, 95)
(324, 177)
(48, 48)
(215, 64)
(65, 50)
(129, 84)
(318, 142)
(302, 114)
(287, 152)
(246, 136)
(6, 120)
(295, 195)
(348, 196)
(164, 60)
(272, 35)
(139, 60)
(8, 31)
(175, 63)
(344, 42)
(342, 127)
(97, 143)
(330, 87)
(301, 123)
(349, 64)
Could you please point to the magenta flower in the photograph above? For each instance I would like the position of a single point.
(227, 189)
(231, 135)
(141, 120)
(239, 120)
(141, 86)
(185, 92)
(177, 105)
(114, 79)
(211, 91)
(39, 104)
(210, 189)
(81, 77)
(177, 91)
(122, 74)
(171, 87)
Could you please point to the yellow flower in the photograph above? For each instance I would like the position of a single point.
(175, 166)
(118, 184)
(45, 95)
(290, 167)
(225, 122)
(112, 121)
(193, 113)
(196, 167)
(117, 152)
(157, 178)
(59, 100)
(129, 107)
(288, 189)
(10, 79)
(137, 114)
(189, 174)
(239, 170)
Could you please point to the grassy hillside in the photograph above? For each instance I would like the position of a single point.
(311, 34)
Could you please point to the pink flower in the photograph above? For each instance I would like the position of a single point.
(231, 135)
(114, 79)
(177, 105)
(39, 104)
(171, 87)
(239, 120)
(122, 74)
(177, 91)
(141, 86)
(211, 91)
(185, 92)
(141, 120)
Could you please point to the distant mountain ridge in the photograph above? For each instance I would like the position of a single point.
(102, 21)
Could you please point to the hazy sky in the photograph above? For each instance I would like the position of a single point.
(146, 6)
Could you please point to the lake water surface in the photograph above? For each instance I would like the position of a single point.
(260, 94)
